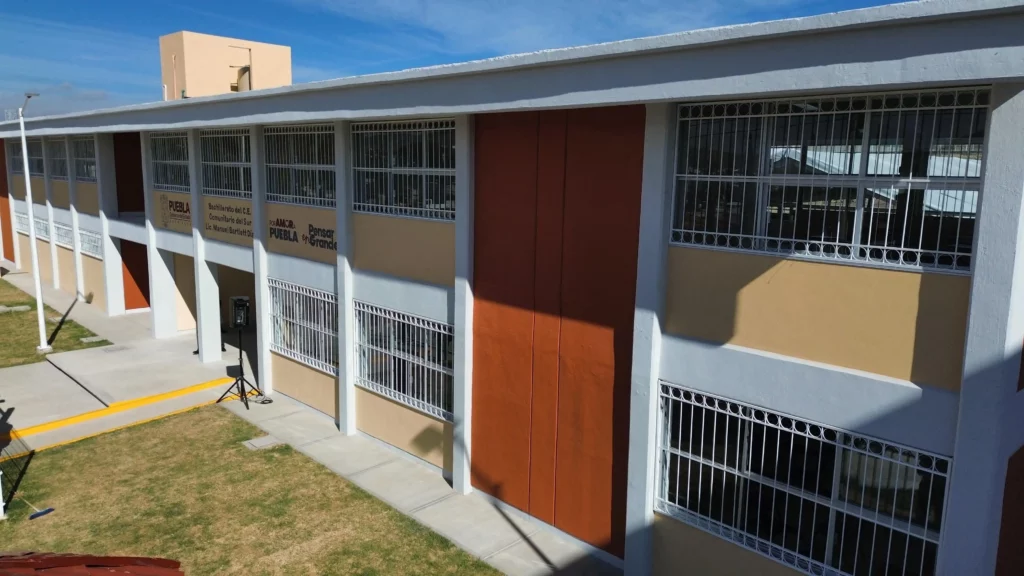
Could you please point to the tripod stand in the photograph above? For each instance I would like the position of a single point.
(240, 383)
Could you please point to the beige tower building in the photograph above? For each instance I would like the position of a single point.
(193, 64)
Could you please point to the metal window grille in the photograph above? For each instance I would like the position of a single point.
(21, 222)
(887, 179)
(819, 499)
(83, 149)
(300, 164)
(36, 164)
(63, 235)
(42, 228)
(169, 160)
(405, 168)
(91, 243)
(227, 163)
(406, 358)
(304, 324)
(14, 153)
(57, 159)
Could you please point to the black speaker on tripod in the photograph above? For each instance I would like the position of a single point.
(240, 312)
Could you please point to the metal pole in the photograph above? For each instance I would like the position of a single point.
(43, 347)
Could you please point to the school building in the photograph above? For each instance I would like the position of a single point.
(745, 300)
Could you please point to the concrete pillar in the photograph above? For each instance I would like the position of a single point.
(48, 179)
(76, 241)
(261, 310)
(346, 315)
(106, 184)
(992, 357)
(11, 170)
(207, 291)
(655, 209)
(163, 301)
(463, 405)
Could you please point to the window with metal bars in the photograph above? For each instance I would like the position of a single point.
(169, 160)
(227, 163)
(63, 235)
(300, 164)
(888, 179)
(814, 497)
(57, 159)
(21, 222)
(42, 228)
(36, 164)
(15, 157)
(304, 324)
(405, 168)
(406, 358)
(83, 150)
(91, 243)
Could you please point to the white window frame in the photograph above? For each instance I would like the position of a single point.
(425, 384)
(21, 222)
(63, 235)
(84, 151)
(878, 455)
(169, 161)
(378, 169)
(304, 325)
(295, 150)
(226, 153)
(56, 157)
(963, 190)
(42, 228)
(36, 163)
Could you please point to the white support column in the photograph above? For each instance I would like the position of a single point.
(992, 358)
(76, 241)
(163, 301)
(259, 260)
(207, 290)
(655, 209)
(48, 180)
(346, 316)
(10, 206)
(106, 185)
(463, 381)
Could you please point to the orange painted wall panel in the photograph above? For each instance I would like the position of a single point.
(503, 267)
(604, 166)
(135, 271)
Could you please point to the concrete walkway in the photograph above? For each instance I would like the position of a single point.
(500, 535)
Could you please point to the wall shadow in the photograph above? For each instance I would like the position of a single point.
(15, 456)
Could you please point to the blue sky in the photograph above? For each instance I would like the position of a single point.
(100, 53)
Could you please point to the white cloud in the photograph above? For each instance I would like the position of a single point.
(523, 25)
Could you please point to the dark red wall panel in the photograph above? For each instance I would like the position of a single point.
(604, 169)
(128, 172)
(557, 224)
(1010, 554)
(5, 208)
(548, 321)
(503, 276)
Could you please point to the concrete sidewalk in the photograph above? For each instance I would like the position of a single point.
(500, 535)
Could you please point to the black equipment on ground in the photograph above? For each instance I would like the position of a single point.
(241, 386)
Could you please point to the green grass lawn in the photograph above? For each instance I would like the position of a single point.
(19, 334)
(186, 488)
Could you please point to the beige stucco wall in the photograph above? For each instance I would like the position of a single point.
(38, 190)
(411, 248)
(87, 198)
(18, 186)
(204, 65)
(26, 252)
(60, 194)
(45, 261)
(410, 430)
(233, 282)
(92, 280)
(682, 549)
(172, 211)
(302, 231)
(185, 293)
(906, 325)
(305, 384)
(66, 269)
